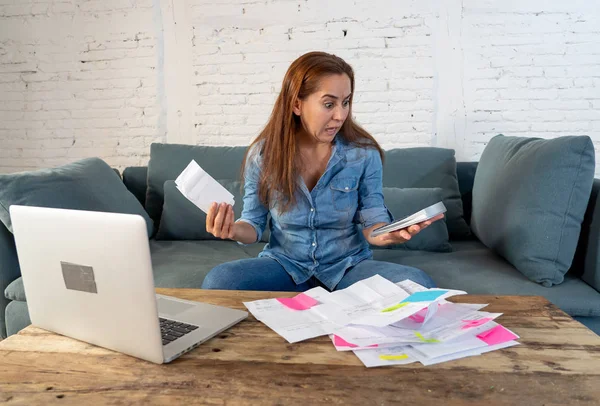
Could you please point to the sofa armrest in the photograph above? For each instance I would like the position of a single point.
(586, 263)
(9, 271)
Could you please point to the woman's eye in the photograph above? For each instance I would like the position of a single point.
(328, 105)
(346, 103)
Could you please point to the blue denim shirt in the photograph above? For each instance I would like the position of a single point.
(321, 235)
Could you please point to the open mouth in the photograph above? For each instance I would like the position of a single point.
(332, 130)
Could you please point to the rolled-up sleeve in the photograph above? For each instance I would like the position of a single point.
(371, 208)
(253, 212)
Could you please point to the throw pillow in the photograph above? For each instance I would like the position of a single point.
(182, 220)
(167, 161)
(88, 184)
(428, 167)
(404, 202)
(529, 198)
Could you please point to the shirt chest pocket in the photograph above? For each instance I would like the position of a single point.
(344, 193)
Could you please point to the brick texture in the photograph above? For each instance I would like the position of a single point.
(108, 78)
(77, 79)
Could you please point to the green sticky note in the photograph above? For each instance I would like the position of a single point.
(394, 307)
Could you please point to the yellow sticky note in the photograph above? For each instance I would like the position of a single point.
(394, 307)
(425, 340)
(393, 357)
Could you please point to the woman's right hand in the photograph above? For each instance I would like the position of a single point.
(220, 221)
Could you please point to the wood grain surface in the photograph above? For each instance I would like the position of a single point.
(557, 363)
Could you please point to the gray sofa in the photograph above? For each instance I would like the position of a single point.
(470, 266)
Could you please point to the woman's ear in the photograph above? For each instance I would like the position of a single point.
(297, 107)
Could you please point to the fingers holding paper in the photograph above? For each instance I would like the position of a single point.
(405, 234)
(220, 220)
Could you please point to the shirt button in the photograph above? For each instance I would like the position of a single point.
(314, 244)
(346, 188)
(312, 209)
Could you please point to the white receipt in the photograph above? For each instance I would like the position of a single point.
(200, 188)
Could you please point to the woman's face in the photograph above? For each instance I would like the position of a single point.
(322, 113)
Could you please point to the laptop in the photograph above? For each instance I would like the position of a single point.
(88, 275)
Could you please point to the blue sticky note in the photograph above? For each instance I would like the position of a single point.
(425, 296)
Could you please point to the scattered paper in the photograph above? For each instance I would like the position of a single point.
(463, 354)
(293, 324)
(378, 302)
(387, 323)
(397, 355)
(343, 345)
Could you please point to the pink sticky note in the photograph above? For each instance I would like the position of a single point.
(475, 323)
(306, 300)
(497, 335)
(340, 342)
(299, 302)
(417, 317)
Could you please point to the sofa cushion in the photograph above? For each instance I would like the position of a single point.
(404, 202)
(184, 264)
(17, 317)
(470, 266)
(529, 198)
(15, 291)
(476, 269)
(9, 270)
(134, 178)
(88, 184)
(182, 220)
(167, 161)
(428, 167)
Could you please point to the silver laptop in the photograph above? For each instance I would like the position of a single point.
(88, 275)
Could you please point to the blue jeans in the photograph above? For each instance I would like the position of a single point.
(267, 274)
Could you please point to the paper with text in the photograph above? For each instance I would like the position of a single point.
(378, 302)
(293, 325)
(385, 356)
(445, 325)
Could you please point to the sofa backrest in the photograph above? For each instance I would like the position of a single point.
(135, 178)
(465, 172)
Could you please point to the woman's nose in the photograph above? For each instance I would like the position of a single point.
(339, 114)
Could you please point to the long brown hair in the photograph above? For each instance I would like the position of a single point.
(278, 140)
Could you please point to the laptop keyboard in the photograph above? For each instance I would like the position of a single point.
(172, 330)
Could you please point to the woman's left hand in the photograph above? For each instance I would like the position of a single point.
(404, 234)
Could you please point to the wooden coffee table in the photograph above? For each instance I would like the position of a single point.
(557, 363)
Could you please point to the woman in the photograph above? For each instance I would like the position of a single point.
(319, 175)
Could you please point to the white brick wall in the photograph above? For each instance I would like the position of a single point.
(241, 51)
(530, 69)
(77, 79)
(107, 78)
